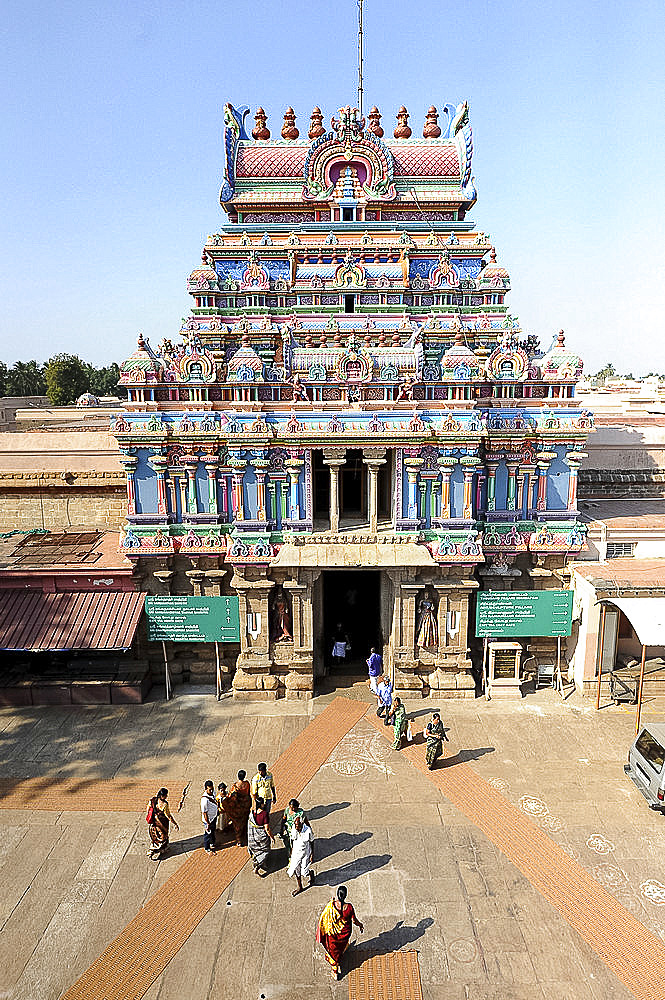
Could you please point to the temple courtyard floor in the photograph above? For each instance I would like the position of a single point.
(526, 867)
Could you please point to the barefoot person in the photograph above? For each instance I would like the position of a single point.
(302, 853)
(434, 734)
(334, 929)
(159, 818)
(259, 837)
(237, 805)
(397, 716)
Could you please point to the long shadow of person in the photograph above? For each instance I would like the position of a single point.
(353, 869)
(318, 812)
(387, 941)
(465, 755)
(327, 846)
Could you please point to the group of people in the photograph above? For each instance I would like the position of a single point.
(245, 808)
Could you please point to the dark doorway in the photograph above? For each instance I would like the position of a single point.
(384, 488)
(353, 487)
(321, 491)
(352, 598)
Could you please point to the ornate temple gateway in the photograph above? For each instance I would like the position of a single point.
(354, 431)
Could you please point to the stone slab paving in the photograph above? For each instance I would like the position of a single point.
(419, 873)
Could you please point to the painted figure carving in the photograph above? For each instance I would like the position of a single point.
(428, 633)
(281, 628)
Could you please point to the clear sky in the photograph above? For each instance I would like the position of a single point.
(111, 135)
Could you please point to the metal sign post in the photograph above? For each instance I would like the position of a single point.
(219, 672)
(485, 677)
(167, 676)
(601, 655)
(639, 691)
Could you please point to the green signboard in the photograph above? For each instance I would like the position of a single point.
(507, 614)
(193, 619)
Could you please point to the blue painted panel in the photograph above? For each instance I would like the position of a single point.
(202, 489)
(249, 493)
(557, 481)
(145, 480)
(457, 492)
(501, 488)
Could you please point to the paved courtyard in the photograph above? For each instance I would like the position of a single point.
(421, 875)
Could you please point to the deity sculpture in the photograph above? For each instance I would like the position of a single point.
(427, 630)
(281, 628)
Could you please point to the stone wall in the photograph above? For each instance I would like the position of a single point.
(28, 500)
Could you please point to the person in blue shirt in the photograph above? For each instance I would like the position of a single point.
(375, 668)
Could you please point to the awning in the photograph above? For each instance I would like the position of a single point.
(33, 620)
(646, 615)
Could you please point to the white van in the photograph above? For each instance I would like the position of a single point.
(646, 763)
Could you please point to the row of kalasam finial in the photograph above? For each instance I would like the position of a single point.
(431, 128)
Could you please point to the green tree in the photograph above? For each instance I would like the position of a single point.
(26, 378)
(3, 378)
(608, 371)
(66, 378)
(104, 381)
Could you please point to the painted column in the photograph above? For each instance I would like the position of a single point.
(480, 481)
(293, 467)
(573, 460)
(435, 498)
(334, 458)
(190, 463)
(544, 460)
(422, 499)
(446, 464)
(238, 465)
(129, 463)
(225, 495)
(491, 485)
(373, 459)
(512, 470)
(520, 493)
(468, 467)
(211, 465)
(527, 475)
(272, 497)
(412, 467)
(158, 463)
(260, 465)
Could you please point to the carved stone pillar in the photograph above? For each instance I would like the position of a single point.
(211, 464)
(293, 467)
(545, 459)
(511, 501)
(190, 463)
(158, 463)
(412, 469)
(260, 465)
(573, 460)
(373, 458)
(253, 678)
(299, 682)
(446, 464)
(334, 458)
(468, 463)
(491, 485)
(238, 466)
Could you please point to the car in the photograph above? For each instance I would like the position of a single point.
(646, 763)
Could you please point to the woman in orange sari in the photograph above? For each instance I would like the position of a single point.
(237, 805)
(159, 819)
(334, 929)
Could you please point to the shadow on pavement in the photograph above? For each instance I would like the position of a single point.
(318, 812)
(462, 756)
(327, 846)
(346, 873)
(387, 942)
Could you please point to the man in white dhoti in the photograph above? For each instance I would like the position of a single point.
(302, 854)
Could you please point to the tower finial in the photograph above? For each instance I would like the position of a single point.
(360, 56)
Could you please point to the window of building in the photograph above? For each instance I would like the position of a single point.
(349, 303)
(618, 550)
(347, 215)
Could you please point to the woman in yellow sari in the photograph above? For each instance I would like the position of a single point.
(334, 929)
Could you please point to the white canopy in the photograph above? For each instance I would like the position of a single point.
(646, 615)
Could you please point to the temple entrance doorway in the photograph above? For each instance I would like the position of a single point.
(321, 491)
(352, 599)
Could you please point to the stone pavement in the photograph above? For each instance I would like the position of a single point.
(420, 873)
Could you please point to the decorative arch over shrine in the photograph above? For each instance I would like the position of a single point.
(367, 152)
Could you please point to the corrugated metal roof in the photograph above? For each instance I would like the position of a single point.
(33, 620)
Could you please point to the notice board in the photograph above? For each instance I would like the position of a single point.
(193, 619)
(505, 614)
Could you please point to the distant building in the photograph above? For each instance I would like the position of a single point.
(351, 432)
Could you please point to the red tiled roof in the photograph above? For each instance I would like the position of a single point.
(425, 161)
(263, 160)
(32, 620)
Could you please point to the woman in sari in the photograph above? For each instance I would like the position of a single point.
(293, 810)
(159, 819)
(237, 805)
(334, 929)
(434, 734)
(397, 716)
(259, 837)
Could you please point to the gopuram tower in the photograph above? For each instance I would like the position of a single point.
(353, 431)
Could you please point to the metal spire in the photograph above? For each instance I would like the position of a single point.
(360, 56)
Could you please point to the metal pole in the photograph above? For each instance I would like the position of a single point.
(219, 672)
(167, 678)
(485, 677)
(639, 693)
(559, 678)
(360, 56)
(600, 661)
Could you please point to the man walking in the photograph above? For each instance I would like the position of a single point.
(375, 668)
(385, 698)
(209, 812)
(263, 787)
(302, 853)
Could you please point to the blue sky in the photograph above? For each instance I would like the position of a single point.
(111, 130)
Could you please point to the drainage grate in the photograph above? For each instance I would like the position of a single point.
(387, 977)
